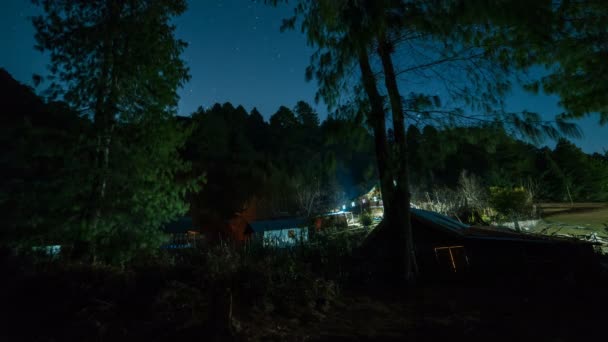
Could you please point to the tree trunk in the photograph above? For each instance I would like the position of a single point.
(401, 198)
(377, 120)
(388, 241)
(102, 149)
(104, 116)
(569, 195)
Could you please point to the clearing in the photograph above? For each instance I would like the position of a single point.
(578, 219)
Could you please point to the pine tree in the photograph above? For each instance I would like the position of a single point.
(119, 64)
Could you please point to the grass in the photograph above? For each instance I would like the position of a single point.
(576, 219)
(549, 207)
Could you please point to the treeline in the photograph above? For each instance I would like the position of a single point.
(224, 160)
(292, 164)
(565, 173)
(50, 160)
(212, 165)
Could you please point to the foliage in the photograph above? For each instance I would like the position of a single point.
(510, 203)
(472, 191)
(357, 42)
(42, 146)
(558, 40)
(119, 64)
(291, 281)
(493, 158)
(291, 164)
(366, 219)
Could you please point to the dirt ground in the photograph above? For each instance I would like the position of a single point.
(84, 304)
(455, 312)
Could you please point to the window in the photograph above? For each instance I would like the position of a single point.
(452, 258)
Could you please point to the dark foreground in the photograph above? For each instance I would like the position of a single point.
(80, 303)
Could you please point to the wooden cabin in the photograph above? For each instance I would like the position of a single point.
(446, 246)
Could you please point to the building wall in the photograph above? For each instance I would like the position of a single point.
(285, 237)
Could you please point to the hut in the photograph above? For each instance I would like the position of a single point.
(339, 219)
(182, 233)
(281, 232)
(446, 246)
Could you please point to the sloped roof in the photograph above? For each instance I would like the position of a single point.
(440, 221)
(277, 224)
(181, 225)
(497, 233)
(482, 233)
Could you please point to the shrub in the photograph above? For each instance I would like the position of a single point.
(366, 219)
(510, 203)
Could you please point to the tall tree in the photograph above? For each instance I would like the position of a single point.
(118, 62)
(565, 38)
(355, 34)
(306, 115)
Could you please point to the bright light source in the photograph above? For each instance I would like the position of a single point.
(352, 204)
(375, 199)
(344, 207)
(363, 200)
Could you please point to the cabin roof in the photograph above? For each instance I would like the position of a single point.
(440, 221)
(457, 228)
(180, 225)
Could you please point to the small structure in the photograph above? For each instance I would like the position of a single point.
(283, 232)
(182, 234)
(444, 245)
(52, 251)
(338, 219)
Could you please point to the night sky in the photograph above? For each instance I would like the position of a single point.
(237, 54)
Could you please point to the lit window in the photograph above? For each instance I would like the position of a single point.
(453, 258)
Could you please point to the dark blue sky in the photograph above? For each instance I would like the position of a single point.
(237, 54)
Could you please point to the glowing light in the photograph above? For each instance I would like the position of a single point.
(344, 207)
(375, 199)
(363, 200)
(352, 204)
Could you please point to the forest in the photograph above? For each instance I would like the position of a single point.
(221, 159)
(97, 164)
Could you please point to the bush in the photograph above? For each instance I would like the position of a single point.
(366, 219)
(456, 204)
(510, 203)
